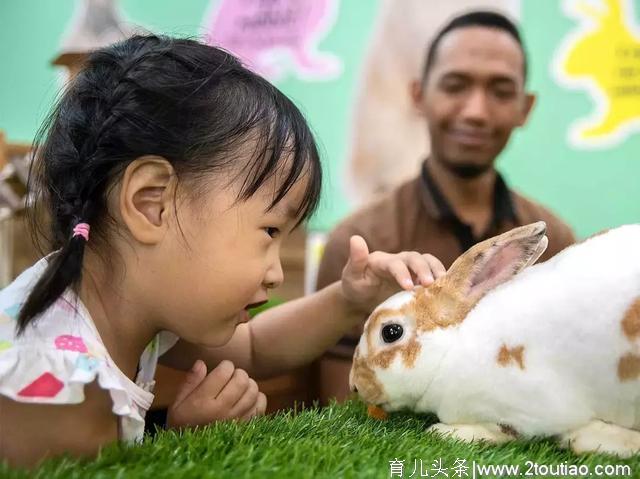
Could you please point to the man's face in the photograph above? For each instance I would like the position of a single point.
(473, 98)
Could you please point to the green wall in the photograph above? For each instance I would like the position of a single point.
(591, 189)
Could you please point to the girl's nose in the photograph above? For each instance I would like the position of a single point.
(274, 276)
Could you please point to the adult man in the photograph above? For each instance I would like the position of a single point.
(472, 96)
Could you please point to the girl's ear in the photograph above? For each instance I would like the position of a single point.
(496, 260)
(147, 197)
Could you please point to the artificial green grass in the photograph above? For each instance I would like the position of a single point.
(333, 442)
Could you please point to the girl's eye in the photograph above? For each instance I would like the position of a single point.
(273, 232)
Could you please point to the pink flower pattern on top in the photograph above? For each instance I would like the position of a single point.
(70, 343)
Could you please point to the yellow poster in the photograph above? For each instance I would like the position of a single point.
(602, 56)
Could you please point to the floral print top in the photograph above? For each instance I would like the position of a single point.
(61, 351)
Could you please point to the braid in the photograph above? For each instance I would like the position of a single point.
(75, 189)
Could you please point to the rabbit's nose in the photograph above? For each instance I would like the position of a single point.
(354, 388)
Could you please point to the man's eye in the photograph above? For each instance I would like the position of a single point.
(453, 87)
(273, 232)
(504, 94)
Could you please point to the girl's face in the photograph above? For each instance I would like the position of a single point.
(222, 257)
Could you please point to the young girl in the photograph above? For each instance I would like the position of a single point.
(171, 175)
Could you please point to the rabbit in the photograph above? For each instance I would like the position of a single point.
(499, 350)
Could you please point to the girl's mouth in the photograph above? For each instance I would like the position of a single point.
(244, 314)
(255, 305)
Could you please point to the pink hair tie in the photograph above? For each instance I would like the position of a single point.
(82, 229)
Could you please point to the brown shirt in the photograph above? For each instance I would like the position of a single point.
(416, 217)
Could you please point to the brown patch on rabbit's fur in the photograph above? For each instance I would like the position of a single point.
(629, 367)
(409, 352)
(508, 429)
(366, 381)
(631, 320)
(438, 306)
(508, 355)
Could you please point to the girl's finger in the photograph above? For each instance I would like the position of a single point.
(420, 267)
(247, 403)
(216, 380)
(252, 412)
(234, 389)
(261, 404)
(258, 409)
(358, 256)
(437, 268)
(400, 272)
(192, 381)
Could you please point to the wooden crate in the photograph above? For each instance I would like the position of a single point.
(17, 248)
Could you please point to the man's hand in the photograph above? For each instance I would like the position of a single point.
(224, 393)
(370, 278)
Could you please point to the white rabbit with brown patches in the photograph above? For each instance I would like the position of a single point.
(498, 351)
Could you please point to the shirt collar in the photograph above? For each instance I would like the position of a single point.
(439, 208)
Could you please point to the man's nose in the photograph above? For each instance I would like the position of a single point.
(476, 107)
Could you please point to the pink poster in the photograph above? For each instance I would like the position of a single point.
(276, 37)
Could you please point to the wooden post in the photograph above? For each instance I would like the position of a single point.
(3, 151)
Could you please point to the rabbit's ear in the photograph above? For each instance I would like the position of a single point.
(496, 260)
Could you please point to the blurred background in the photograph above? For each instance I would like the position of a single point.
(347, 64)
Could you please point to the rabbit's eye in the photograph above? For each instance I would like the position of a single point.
(391, 333)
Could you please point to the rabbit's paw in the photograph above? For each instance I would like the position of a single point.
(492, 433)
(599, 436)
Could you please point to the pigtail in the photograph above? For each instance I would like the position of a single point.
(71, 167)
(63, 270)
(63, 177)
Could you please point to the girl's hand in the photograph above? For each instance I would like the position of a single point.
(370, 278)
(224, 393)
